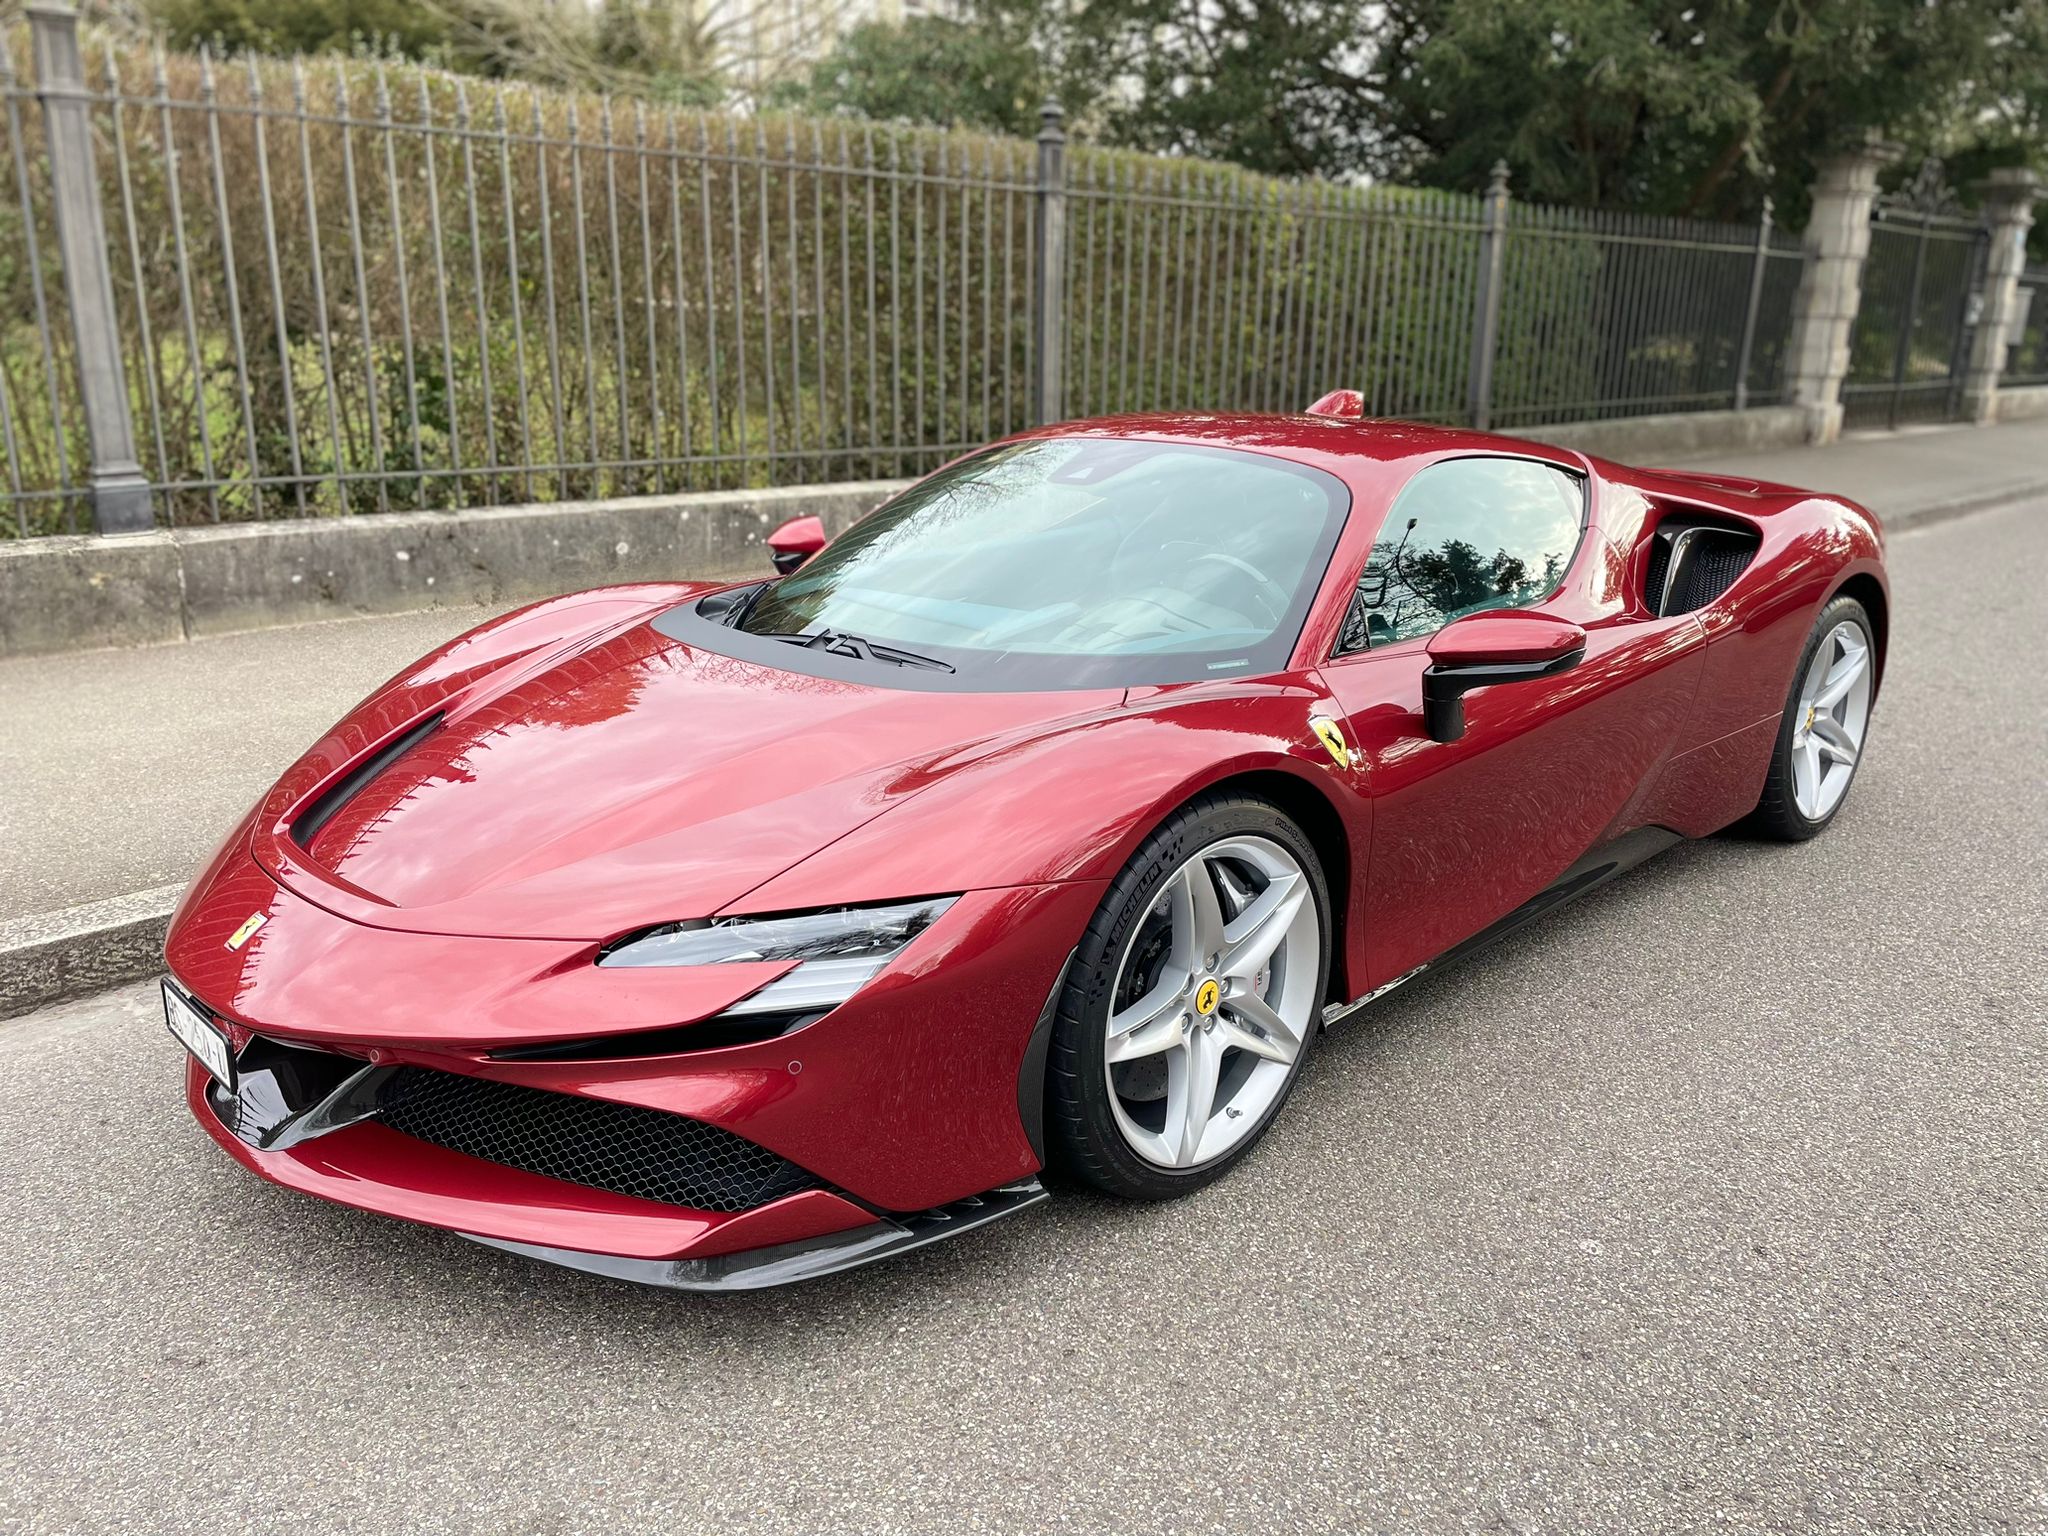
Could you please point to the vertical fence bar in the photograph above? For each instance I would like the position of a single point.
(742, 428)
(1908, 321)
(791, 244)
(271, 265)
(387, 130)
(1049, 314)
(710, 249)
(682, 296)
(765, 257)
(320, 324)
(504, 136)
(656, 444)
(1756, 299)
(895, 310)
(465, 130)
(115, 483)
(560, 413)
(363, 300)
(233, 295)
(623, 475)
(430, 142)
(152, 361)
(874, 391)
(1486, 303)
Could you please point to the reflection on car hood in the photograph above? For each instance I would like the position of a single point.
(643, 781)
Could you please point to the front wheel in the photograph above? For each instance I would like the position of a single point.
(1194, 999)
(1826, 723)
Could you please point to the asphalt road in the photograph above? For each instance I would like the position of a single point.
(1718, 1201)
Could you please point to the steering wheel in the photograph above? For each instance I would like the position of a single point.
(1271, 595)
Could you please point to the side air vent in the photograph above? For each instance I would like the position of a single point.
(1693, 562)
(352, 783)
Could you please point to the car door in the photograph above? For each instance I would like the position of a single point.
(1465, 832)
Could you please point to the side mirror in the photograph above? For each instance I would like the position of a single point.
(1484, 650)
(795, 542)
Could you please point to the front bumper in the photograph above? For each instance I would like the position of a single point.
(902, 1107)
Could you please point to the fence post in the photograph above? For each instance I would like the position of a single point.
(1048, 310)
(2008, 196)
(1756, 298)
(1831, 287)
(1486, 300)
(119, 493)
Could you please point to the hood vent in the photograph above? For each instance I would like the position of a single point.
(356, 780)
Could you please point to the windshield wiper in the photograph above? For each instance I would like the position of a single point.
(839, 643)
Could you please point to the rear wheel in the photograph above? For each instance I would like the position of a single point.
(1826, 723)
(1194, 998)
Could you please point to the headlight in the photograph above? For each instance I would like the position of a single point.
(839, 949)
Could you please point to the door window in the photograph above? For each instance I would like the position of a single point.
(1466, 535)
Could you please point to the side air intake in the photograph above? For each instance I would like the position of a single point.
(1693, 562)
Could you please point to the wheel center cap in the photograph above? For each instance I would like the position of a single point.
(1207, 995)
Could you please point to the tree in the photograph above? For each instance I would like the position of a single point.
(1665, 106)
(1281, 86)
(1698, 106)
(930, 69)
(301, 26)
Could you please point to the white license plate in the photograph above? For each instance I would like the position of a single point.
(200, 1035)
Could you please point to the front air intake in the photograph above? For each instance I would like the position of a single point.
(647, 1153)
(1692, 562)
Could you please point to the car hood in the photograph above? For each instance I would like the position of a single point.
(637, 781)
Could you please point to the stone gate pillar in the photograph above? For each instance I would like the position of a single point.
(1837, 240)
(2008, 213)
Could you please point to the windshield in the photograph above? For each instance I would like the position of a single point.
(1075, 561)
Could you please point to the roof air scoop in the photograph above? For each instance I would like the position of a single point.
(1340, 405)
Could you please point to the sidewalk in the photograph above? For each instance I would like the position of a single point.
(123, 769)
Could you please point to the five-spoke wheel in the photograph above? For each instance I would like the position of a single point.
(1834, 711)
(1827, 719)
(1194, 999)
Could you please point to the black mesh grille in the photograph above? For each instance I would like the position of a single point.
(619, 1147)
(1716, 560)
(1653, 578)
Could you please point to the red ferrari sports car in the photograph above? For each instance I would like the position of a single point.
(714, 935)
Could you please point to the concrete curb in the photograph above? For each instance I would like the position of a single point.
(57, 956)
(2030, 489)
(53, 956)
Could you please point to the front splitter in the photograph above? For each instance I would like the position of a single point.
(785, 1263)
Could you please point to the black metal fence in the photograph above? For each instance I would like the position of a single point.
(269, 289)
(1911, 341)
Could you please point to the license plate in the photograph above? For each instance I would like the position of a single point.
(200, 1035)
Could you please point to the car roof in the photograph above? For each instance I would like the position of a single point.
(1331, 443)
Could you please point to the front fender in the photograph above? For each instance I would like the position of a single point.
(1073, 803)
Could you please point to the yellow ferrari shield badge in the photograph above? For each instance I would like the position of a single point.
(1206, 997)
(247, 931)
(1331, 735)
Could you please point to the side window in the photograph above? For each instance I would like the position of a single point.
(1464, 535)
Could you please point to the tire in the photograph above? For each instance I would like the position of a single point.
(1792, 809)
(1237, 1037)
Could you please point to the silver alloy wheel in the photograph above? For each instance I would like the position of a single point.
(1213, 999)
(1834, 713)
